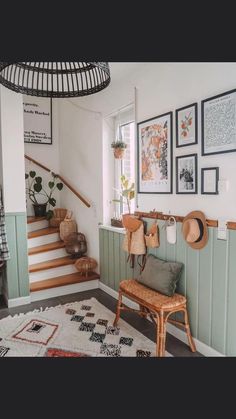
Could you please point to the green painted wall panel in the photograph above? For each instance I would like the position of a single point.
(219, 293)
(208, 280)
(205, 291)
(111, 271)
(106, 256)
(101, 254)
(231, 297)
(12, 263)
(22, 255)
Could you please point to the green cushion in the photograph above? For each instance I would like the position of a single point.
(160, 275)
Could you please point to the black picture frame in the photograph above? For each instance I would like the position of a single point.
(177, 111)
(203, 170)
(203, 104)
(51, 131)
(177, 160)
(170, 145)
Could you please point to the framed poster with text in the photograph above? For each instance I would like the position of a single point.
(155, 155)
(37, 120)
(219, 124)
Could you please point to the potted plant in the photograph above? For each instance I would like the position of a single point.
(35, 188)
(127, 193)
(119, 147)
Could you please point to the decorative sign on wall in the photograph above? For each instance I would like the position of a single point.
(37, 120)
(155, 154)
(219, 124)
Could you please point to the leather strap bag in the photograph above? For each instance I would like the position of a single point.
(152, 236)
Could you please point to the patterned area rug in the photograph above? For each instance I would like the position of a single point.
(80, 329)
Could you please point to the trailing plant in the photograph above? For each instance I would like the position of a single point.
(118, 144)
(127, 192)
(35, 188)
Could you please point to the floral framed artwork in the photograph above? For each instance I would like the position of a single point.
(155, 155)
(209, 180)
(219, 124)
(186, 125)
(186, 174)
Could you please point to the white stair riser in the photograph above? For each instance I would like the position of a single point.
(64, 290)
(38, 225)
(51, 273)
(39, 241)
(44, 256)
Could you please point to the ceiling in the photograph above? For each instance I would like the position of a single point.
(122, 70)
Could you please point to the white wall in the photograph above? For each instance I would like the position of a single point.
(48, 155)
(81, 164)
(164, 87)
(12, 151)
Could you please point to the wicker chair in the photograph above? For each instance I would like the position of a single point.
(158, 306)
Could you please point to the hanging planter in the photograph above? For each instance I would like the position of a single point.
(119, 149)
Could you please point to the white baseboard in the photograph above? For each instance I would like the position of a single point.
(21, 301)
(65, 290)
(173, 330)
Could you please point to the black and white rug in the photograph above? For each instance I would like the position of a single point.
(79, 329)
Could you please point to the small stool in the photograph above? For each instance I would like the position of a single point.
(158, 306)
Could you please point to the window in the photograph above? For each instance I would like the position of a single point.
(125, 166)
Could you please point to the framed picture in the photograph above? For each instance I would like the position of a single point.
(155, 155)
(186, 174)
(186, 125)
(209, 180)
(219, 124)
(37, 120)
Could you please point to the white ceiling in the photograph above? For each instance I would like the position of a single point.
(122, 70)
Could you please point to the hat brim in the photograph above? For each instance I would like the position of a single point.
(201, 243)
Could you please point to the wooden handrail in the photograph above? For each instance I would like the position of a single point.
(61, 178)
(231, 225)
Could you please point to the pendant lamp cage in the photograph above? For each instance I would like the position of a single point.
(55, 79)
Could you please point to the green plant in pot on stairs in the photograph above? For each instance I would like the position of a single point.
(36, 189)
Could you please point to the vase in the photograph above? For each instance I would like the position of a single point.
(119, 153)
(40, 210)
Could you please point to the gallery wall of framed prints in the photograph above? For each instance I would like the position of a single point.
(155, 138)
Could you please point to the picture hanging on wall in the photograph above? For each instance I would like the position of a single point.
(37, 120)
(209, 180)
(219, 124)
(186, 174)
(186, 125)
(155, 154)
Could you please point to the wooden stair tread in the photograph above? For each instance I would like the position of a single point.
(60, 281)
(46, 247)
(43, 232)
(33, 219)
(50, 264)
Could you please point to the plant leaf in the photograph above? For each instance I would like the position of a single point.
(51, 185)
(60, 186)
(32, 173)
(26, 175)
(37, 187)
(131, 194)
(38, 179)
(49, 214)
(52, 202)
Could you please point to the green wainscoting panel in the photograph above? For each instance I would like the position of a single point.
(17, 276)
(208, 280)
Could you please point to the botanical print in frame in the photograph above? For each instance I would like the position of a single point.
(155, 154)
(219, 124)
(186, 174)
(186, 125)
(209, 180)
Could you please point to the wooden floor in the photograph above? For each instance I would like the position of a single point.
(173, 345)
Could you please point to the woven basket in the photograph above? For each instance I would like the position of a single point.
(75, 244)
(67, 226)
(58, 216)
(85, 264)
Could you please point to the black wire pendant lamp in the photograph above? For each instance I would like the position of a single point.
(55, 79)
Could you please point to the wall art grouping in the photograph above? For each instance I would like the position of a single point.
(155, 144)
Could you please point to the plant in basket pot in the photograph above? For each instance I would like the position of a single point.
(36, 189)
(119, 147)
(127, 193)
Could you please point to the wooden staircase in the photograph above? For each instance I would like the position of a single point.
(51, 269)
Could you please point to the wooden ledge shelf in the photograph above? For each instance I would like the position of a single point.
(231, 225)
